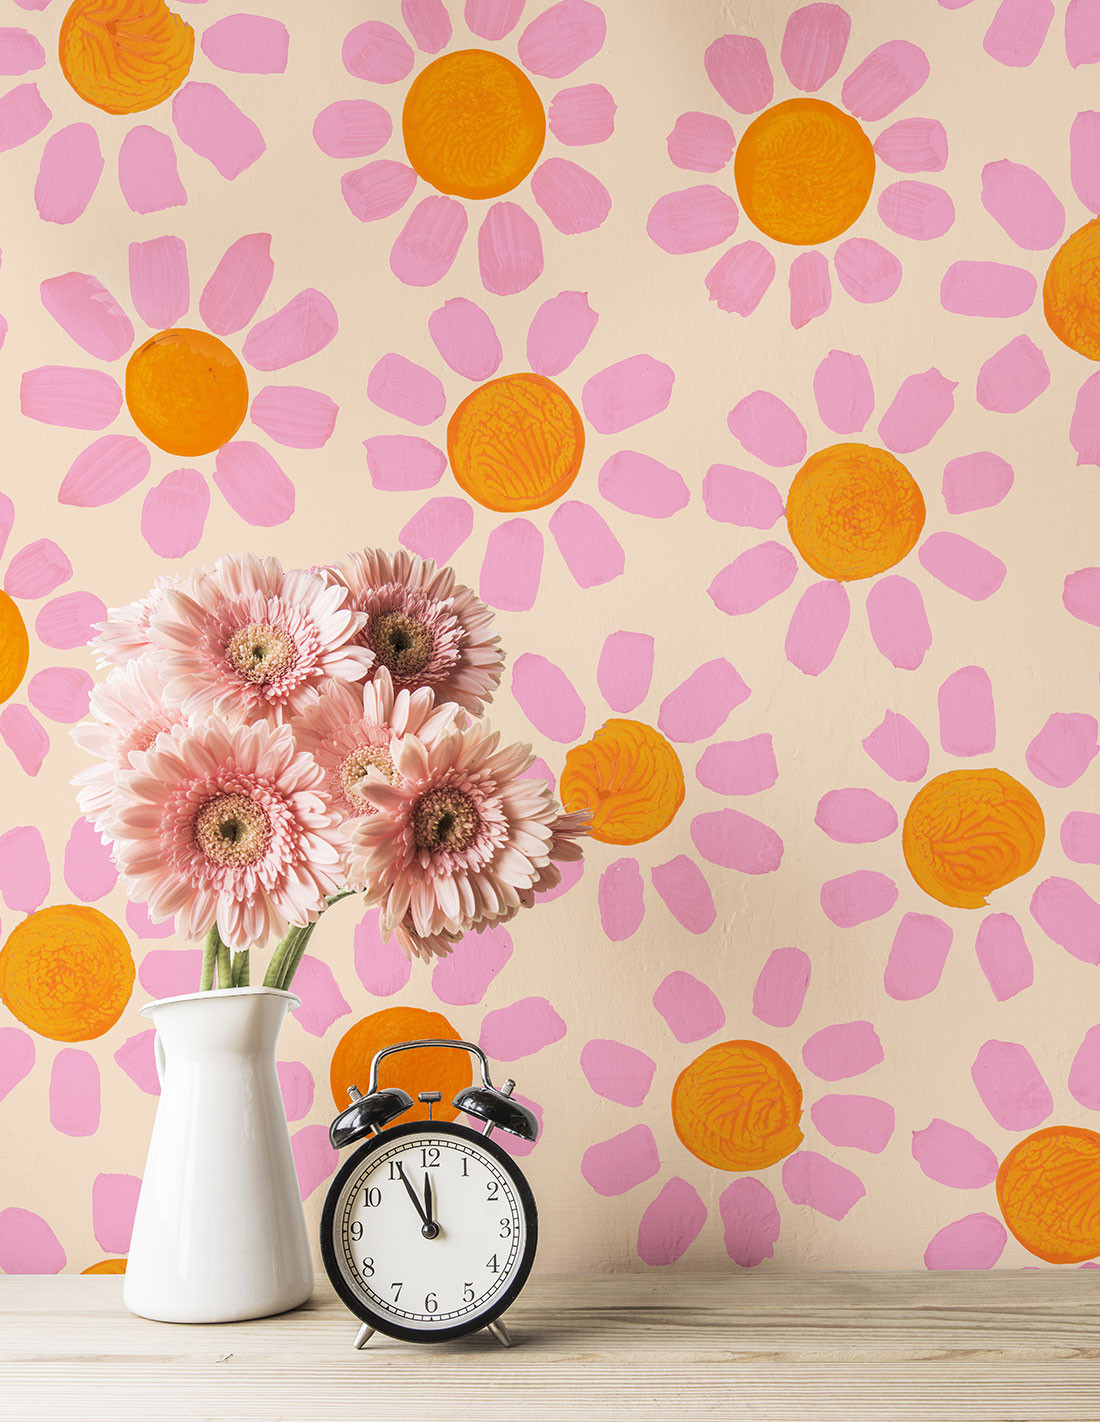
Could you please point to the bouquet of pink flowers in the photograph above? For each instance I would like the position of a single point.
(269, 742)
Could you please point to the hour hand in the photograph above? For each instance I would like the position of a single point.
(429, 1229)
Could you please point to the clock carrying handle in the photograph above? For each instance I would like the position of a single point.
(472, 1048)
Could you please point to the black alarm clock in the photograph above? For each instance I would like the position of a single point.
(429, 1230)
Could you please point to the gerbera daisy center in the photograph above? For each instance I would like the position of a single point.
(401, 643)
(356, 765)
(124, 56)
(186, 391)
(473, 124)
(260, 652)
(233, 830)
(445, 818)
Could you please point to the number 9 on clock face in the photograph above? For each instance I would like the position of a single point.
(429, 1231)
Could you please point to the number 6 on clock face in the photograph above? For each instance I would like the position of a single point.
(429, 1231)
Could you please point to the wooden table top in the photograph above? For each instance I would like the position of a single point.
(999, 1346)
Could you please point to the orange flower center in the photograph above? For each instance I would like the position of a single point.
(629, 778)
(473, 124)
(66, 972)
(969, 832)
(516, 443)
(1048, 1188)
(15, 647)
(124, 56)
(1071, 291)
(431, 1069)
(804, 171)
(186, 391)
(854, 511)
(737, 1107)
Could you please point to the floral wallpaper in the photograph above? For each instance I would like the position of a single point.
(743, 360)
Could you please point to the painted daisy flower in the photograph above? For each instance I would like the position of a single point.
(804, 170)
(853, 512)
(227, 825)
(186, 390)
(473, 128)
(737, 1106)
(126, 57)
(516, 443)
(968, 833)
(1017, 32)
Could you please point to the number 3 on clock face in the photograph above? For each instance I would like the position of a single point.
(429, 1231)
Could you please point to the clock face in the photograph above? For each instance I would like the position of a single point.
(429, 1231)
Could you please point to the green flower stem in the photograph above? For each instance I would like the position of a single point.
(289, 953)
(209, 957)
(225, 965)
(240, 968)
(275, 967)
(294, 957)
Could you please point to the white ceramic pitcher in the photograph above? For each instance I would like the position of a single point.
(219, 1233)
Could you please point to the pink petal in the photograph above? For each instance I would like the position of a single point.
(810, 288)
(464, 336)
(214, 128)
(736, 841)
(750, 1221)
(813, 45)
(854, 816)
(1084, 158)
(170, 972)
(701, 143)
(159, 283)
(253, 485)
(571, 874)
(520, 1030)
(512, 566)
(233, 294)
(28, 1245)
(68, 173)
(739, 496)
(562, 38)
(854, 1122)
(314, 1158)
(843, 1050)
(614, 1166)
(968, 723)
(493, 19)
(559, 332)
(1011, 1086)
(22, 116)
(625, 669)
(641, 485)
(962, 565)
(817, 627)
(173, 515)
(24, 870)
(84, 308)
(898, 622)
(547, 698)
(428, 22)
(986, 289)
(304, 326)
(898, 748)
(582, 115)
(914, 145)
(886, 78)
(738, 767)
(377, 190)
(974, 1242)
(464, 976)
(699, 705)
(685, 893)
(1017, 31)
(377, 52)
(738, 280)
(20, 52)
(621, 902)
(737, 66)
(136, 1059)
(114, 1203)
(403, 462)
(509, 249)
(617, 1072)
(89, 871)
(768, 428)
(866, 271)
(106, 470)
(843, 391)
(1064, 749)
(294, 416)
(147, 171)
(352, 128)
(1081, 595)
(60, 693)
(1084, 428)
(24, 737)
(1069, 916)
(592, 553)
(1022, 205)
(322, 1001)
(951, 1156)
(571, 197)
(1080, 837)
(917, 210)
(692, 219)
(296, 1086)
(7, 519)
(1084, 1074)
(917, 957)
(247, 44)
(1082, 33)
(1013, 377)
(781, 987)
(690, 1009)
(858, 898)
(383, 968)
(671, 1224)
(627, 393)
(38, 569)
(811, 1179)
(16, 1058)
(406, 390)
(439, 529)
(69, 621)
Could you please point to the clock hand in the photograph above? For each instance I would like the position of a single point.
(428, 1229)
(428, 1198)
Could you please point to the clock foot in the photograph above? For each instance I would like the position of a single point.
(365, 1333)
(500, 1333)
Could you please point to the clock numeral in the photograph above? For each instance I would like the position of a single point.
(468, 1294)
(493, 1266)
(368, 1266)
(465, 1163)
(397, 1287)
(506, 1229)
(430, 1303)
(372, 1197)
(429, 1156)
(356, 1231)
(394, 1173)
(493, 1186)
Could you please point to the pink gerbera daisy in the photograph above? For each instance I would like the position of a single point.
(125, 634)
(228, 826)
(245, 636)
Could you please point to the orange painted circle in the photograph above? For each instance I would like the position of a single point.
(737, 1107)
(186, 391)
(1048, 1188)
(124, 56)
(968, 832)
(473, 124)
(66, 972)
(628, 777)
(15, 647)
(804, 171)
(429, 1069)
(1071, 291)
(106, 1266)
(853, 511)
